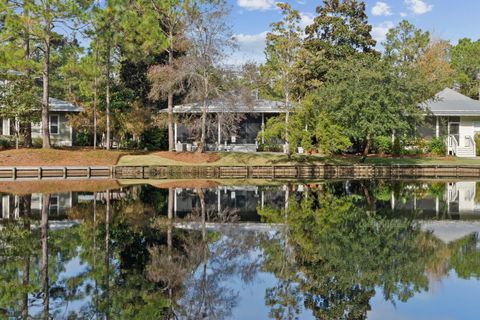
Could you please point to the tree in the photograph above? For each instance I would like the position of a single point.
(435, 65)
(46, 16)
(17, 53)
(170, 19)
(368, 98)
(339, 30)
(19, 101)
(282, 46)
(210, 37)
(465, 58)
(405, 44)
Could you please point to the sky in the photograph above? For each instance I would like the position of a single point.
(445, 19)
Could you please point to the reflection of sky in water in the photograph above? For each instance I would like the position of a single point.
(451, 212)
(452, 298)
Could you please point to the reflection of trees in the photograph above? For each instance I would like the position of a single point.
(342, 253)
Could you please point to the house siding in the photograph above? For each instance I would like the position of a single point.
(65, 132)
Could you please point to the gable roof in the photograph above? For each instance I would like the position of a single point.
(221, 106)
(63, 106)
(449, 102)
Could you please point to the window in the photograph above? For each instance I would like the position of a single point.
(54, 124)
(53, 205)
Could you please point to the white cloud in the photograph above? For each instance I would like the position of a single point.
(306, 19)
(418, 6)
(250, 49)
(256, 4)
(379, 32)
(381, 9)
(403, 14)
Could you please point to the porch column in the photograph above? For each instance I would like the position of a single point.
(175, 133)
(6, 127)
(219, 199)
(219, 133)
(263, 128)
(437, 127)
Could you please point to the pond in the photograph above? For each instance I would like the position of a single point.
(357, 249)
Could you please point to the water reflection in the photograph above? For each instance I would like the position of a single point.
(328, 250)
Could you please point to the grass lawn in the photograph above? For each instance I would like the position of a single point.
(265, 158)
(59, 157)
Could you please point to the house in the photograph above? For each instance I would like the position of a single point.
(61, 132)
(456, 117)
(222, 134)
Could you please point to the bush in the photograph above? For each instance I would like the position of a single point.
(5, 142)
(154, 139)
(477, 143)
(436, 146)
(83, 139)
(383, 144)
(264, 147)
(37, 142)
(397, 147)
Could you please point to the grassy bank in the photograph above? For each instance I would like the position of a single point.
(264, 158)
(90, 157)
(59, 157)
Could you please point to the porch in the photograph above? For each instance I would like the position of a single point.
(457, 118)
(230, 126)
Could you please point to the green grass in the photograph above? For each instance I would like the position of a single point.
(265, 158)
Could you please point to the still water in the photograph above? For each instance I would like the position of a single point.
(327, 250)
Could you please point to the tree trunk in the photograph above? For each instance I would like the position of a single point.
(44, 238)
(107, 256)
(171, 138)
(201, 147)
(27, 125)
(95, 97)
(367, 146)
(27, 204)
(107, 71)
(45, 99)
(287, 147)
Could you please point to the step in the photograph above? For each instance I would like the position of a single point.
(464, 152)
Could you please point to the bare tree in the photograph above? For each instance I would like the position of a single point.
(210, 37)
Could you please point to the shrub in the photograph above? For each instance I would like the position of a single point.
(477, 143)
(37, 142)
(5, 142)
(83, 138)
(397, 146)
(154, 139)
(436, 146)
(383, 144)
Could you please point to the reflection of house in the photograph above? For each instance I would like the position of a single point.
(458, 199)
(456, 117)
(59, 205)
(243, 201)
(254, 116)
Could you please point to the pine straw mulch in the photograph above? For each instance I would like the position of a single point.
(59, 157)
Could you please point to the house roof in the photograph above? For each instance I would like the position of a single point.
(449, 102)
(220, 106)
(63, 106)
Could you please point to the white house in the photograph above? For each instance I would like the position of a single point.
(61, 132)
(456, 117)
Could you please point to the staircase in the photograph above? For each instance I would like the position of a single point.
(467, 151)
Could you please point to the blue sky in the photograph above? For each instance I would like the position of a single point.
(445, 19)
